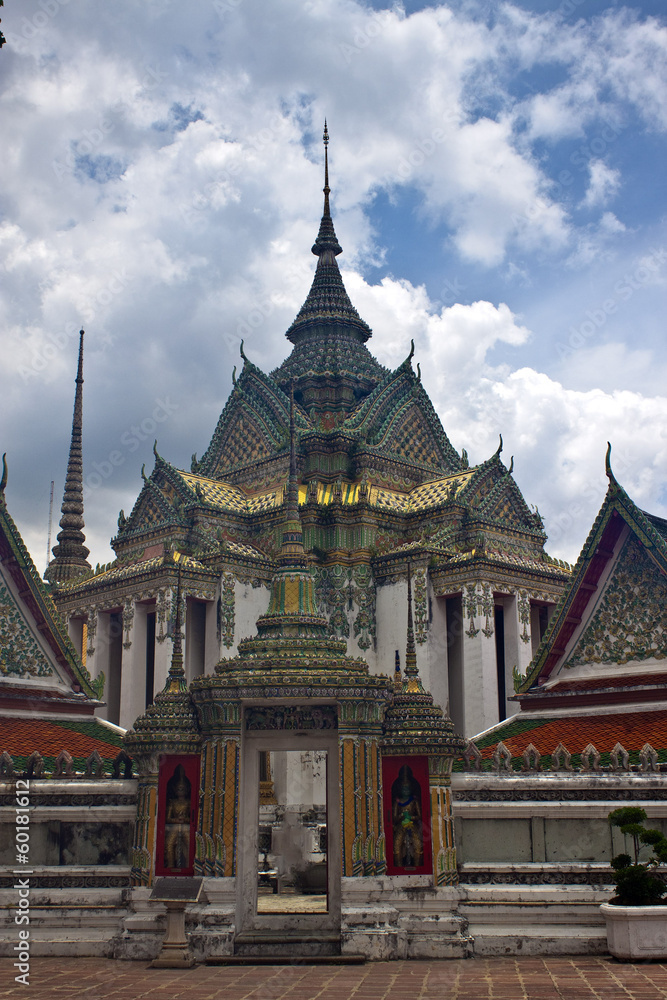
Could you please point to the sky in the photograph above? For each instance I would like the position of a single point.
(498, 187)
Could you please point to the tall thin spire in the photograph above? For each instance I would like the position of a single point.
(327, 189)
(70, 554)
(413, 723)
(326, 246)
(292, 605)
(176, 676)
(411, 671)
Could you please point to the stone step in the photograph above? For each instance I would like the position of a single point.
(287, 960)
(281, 945)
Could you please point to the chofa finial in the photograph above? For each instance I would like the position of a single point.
(607, 467)
(3, 481)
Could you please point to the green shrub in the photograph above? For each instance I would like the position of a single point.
(637, 884)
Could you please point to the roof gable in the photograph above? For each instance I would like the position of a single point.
(253, 426)
(35, 648)
(629, 624)
(610, 615)
(398, 419)
(494, 495)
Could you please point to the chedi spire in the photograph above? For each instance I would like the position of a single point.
(328, 304)
(70, 554)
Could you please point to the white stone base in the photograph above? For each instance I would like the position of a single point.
(636, 933)
(534, 919)
(405, 916)
(76, 922)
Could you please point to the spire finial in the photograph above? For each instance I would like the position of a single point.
(398, 682)
(70, 554)
(327, 189)
(326, 245)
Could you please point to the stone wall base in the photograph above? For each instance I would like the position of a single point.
(382, 918)
(535, 919)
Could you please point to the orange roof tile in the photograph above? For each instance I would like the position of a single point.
(22, 737)
(631, 729)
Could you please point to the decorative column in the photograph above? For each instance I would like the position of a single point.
(363, 842)
(218, 815)
(480, 669)
(518, 645)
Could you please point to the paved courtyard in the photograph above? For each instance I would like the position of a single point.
(475, 979)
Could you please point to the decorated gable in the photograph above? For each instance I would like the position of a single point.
(503, 502)
(610, 626)
(157, 506)
(21, 653)
(399, 420)
(37, 657)
(253, 425)
(629, 625)
(245, 440)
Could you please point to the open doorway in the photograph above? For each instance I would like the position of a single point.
(292, 865)
(289, 837)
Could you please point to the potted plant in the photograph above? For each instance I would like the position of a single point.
(636, 916)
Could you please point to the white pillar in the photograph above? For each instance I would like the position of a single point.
(480, 670)
(163, 652)
(436, 677)
(212, 654)
(92, 656)
(518, 651)
(133, 672)
(104, 652)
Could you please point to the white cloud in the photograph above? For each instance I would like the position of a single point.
(603, 185)
(162, 185)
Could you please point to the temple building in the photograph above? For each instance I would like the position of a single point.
(366, 714)
(380, 486)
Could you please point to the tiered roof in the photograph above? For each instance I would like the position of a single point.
(328, 334)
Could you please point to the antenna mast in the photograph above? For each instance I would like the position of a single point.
(48, 541)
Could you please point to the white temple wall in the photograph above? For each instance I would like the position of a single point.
(437, 669)
(163, 651)
(239, 619)
(392, 625)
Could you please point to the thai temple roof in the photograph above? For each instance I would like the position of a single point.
(37, 657)
(328, 334)
(576, 731)
(599, 676)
